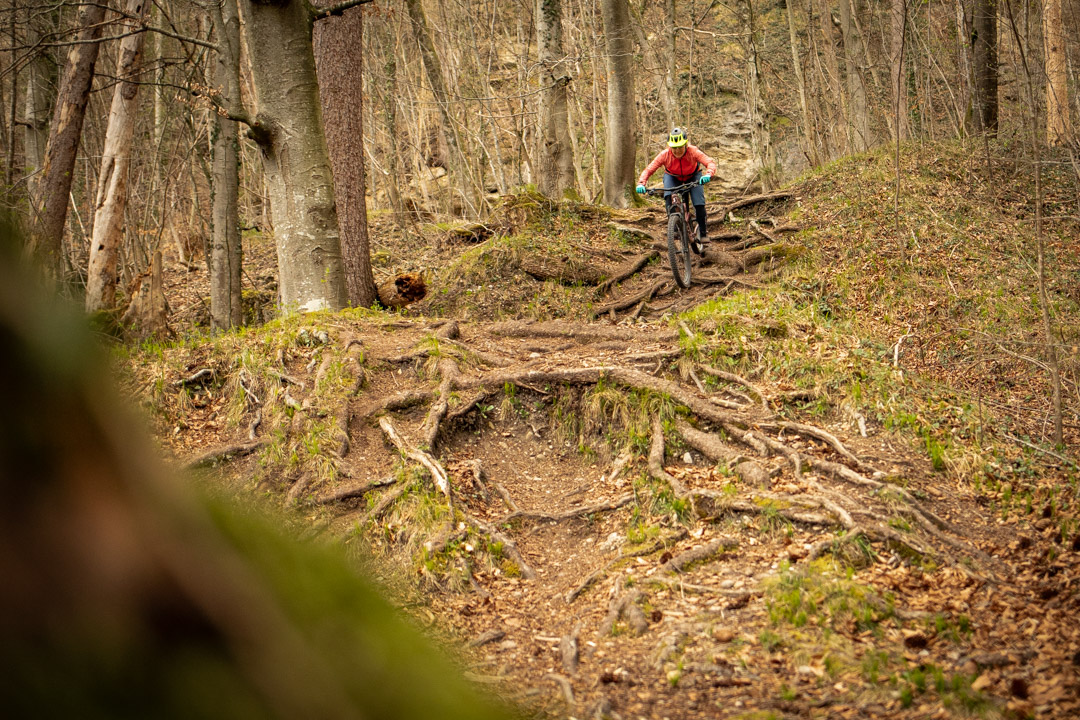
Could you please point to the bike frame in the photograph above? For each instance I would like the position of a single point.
(680, 203)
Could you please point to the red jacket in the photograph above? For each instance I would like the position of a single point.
(682, 168)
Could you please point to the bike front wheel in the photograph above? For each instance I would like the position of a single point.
(678, 247)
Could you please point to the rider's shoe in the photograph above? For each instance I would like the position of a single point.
(699, 244)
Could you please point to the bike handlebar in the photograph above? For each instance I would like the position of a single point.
(659, 192)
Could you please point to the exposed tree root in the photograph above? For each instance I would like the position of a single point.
(631, 268)
(397, 401)
(564, 685)
(680, 562)
(582, 333)
(753, 200)
(429, 431)
(598, 574)
(221, 454)
(615, 504)
(625, 607)
(656, 460)
(434, 468)
(568, 651)
(478, 479)
(509, 548)
(567, 272)
(658, 287)
(353, 490)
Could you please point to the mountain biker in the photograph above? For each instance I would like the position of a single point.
(681, 162)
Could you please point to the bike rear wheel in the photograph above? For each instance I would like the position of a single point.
(678, 246)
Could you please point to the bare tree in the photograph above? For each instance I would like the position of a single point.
(1058, 121)
(46, 241)
(556, 159)
(862, 137)
(621, 138)
(434, 73)
(37, 104)
(226, 249)
(808, 132)
(112, 194)
(898, 86)
(289, 131)
(984, 42)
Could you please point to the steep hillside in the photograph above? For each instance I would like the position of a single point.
(816, 483)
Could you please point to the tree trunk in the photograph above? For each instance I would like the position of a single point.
(621, 137)
(862, 138)
(556, 158)
(226, 249)
(1058, 121)
(339, 60)
(808, 132)
(898, 84)
(46, 242)
(112, 190)
(40, 75)
(984, 43)
(759, 132)
(289, 131)
(833, 87)
(434, 73)
(669, 66)
(654, 64)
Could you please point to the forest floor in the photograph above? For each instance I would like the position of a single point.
(815, 484)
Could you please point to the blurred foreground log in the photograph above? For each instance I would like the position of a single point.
(124, 595)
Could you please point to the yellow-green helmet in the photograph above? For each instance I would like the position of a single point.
(677, 138)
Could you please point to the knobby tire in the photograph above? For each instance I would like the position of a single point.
(678, 246)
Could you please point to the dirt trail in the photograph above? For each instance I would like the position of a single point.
(635, 534)
(720, 636)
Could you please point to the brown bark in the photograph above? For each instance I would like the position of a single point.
(289, 131)
(861, 137)
(46, 243)
(1058, 120)
(226, 250)
(984, 43)
(621, 138)
(556, 158)
(898, 83)
(339, 60)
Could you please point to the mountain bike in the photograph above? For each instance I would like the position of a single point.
(682, 231)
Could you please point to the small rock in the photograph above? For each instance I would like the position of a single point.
(688, 458)
(727, 584)
(797, 552)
